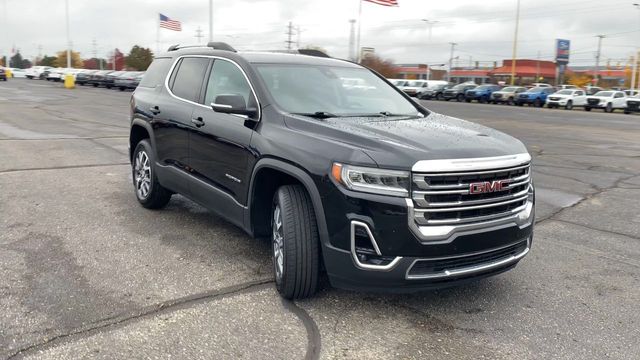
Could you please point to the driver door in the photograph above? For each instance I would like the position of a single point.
(219, 147)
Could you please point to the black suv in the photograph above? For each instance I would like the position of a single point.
(359, 182)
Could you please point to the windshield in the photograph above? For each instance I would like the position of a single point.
(565, 92)
(416, 83)
(604, 93)
(310, 89)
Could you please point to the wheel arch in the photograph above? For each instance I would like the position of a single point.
(140, 130)
(267, 176)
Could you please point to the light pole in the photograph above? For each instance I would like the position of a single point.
(637, 53)
(66, 8)
(453, 45)
(515, 45)
(430, 25)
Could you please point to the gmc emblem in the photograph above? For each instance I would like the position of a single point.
(487, 186)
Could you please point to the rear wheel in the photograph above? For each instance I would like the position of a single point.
(460, 98)
(537, 103)
(439, 97)
(148, 190)
(586, 108)
(295, 242)
(569, 105)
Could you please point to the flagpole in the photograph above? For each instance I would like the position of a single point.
(158, 36)
(359, 52)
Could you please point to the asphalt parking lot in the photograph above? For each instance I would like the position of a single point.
(85, 272)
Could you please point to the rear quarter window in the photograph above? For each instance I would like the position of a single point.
(156, 73)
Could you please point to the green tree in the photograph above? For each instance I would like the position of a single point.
(61, 60)
(16, 61)
(139, 58)
(47, 61)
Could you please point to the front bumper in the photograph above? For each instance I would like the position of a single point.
(562, 102)
(402, 245)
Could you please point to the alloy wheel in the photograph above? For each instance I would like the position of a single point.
(278, 243)
(142, 173)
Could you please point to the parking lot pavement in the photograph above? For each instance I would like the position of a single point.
(85, 272)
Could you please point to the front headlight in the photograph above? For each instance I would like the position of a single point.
(372, 180)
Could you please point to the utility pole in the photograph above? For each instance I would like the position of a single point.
(515, 46)
(453, 45)
(352, 40)
(596, 74)
(633, 85)
(538, 67)
(210, 20)
(199, 35)
(289, 33)
(66, 6)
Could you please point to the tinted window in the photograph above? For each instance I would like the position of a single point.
(189, 78)
(619, 95)
(156, 73)
(227, 79)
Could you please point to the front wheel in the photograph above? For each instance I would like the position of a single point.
(609, 108)
(439, 97)
(295, 242)
(537, 103)
(148, 190)
(460, 98)
(569, 105)
(586, 108)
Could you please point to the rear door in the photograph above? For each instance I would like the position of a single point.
(220, 143)
(579, 98)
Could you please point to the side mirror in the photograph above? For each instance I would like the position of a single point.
(233, 104)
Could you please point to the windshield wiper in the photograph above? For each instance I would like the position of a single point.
(380, 114)
(318, 114)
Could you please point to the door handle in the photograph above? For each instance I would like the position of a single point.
(155, 110)
(198, 122)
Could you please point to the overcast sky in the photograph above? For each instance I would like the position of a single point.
(482, 29)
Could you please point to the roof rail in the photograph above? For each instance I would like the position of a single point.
(218, 45)
(313, 52)
(213, 45)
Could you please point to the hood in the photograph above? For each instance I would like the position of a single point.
(398, 143)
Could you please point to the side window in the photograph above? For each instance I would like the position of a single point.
(619, 95)
(227, 79)
(580, 93)
(156, 73)
(189, 76)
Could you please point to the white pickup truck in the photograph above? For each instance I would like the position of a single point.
(34, 72)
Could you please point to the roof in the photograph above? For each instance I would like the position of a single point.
(261, 57)
(525, 70)
(470, 73)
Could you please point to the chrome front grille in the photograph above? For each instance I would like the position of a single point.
(466, 197)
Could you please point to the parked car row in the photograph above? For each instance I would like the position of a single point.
(537, 95)
(122, 80)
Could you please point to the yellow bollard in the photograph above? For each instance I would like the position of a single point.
(69, 81)
(8, 72)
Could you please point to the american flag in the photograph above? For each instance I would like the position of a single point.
(167, 23)
(384, 2)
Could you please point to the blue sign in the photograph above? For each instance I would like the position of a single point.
(562, 51)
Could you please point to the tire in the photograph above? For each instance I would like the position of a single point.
(121, 88)
(586, 108)
(627, 112)
(95, 85)
(609, 108)
(439, 97)
(460, 98)
(569, 105)
(295, 243)
(537, 103)
(510, 101)
(144, 177)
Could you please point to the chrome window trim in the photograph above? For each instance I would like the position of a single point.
(173, 67)
(470, 164)
(354, 256)
(469, 269)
